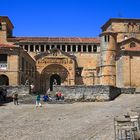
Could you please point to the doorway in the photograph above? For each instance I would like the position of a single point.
(55, 79)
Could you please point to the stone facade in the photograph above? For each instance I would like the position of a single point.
(111, 59)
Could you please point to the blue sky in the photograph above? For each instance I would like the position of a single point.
(65, 18)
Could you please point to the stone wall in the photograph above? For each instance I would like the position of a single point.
(21, 90)
(88, 93)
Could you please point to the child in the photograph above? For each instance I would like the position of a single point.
(38, 101)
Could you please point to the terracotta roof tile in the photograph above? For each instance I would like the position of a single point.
(55, 39)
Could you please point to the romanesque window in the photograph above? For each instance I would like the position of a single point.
(84, 48)
(42, 48)
(68, 48)
(106, 38)
(89, 48)
(74, 48)
(94, 48)
(31, 48)
(26, 47)
(79, 48)
(36, 47)
(58, 47)
(63, 48)
(47, 47)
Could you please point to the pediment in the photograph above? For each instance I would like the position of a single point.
(131, 44)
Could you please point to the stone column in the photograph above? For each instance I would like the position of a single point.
(76, 48)
(81, 48)
(86, 48)
(92, 48)
(66, 48)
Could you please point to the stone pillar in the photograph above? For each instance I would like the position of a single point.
(86, 48)
(45, 48)
(29, 48)
(107, 61)
(34, 48)
(76, 48)
(71, 48)
(81, 48)
(60, 47)
(92, 48)
(66, 48)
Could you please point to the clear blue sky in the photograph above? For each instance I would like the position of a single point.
(66, 18)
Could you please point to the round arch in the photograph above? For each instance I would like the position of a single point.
(4, 80)
(51, 74)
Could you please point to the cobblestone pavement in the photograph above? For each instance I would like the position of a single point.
(77, 121)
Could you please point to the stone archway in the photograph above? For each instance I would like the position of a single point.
(4, 80)
(51, 72)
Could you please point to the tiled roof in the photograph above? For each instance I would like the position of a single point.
(55, 39)
(7, 45)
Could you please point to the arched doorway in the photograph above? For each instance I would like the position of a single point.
(55, 79)
(51, 73)
(4, 80)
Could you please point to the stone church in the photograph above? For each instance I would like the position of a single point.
(113, 58)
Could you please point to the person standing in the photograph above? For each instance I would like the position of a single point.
(15, 98)
(38, 101)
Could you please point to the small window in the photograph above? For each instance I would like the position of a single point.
(3, 57)
(107, 38)
(94, 48)
(21, 46)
